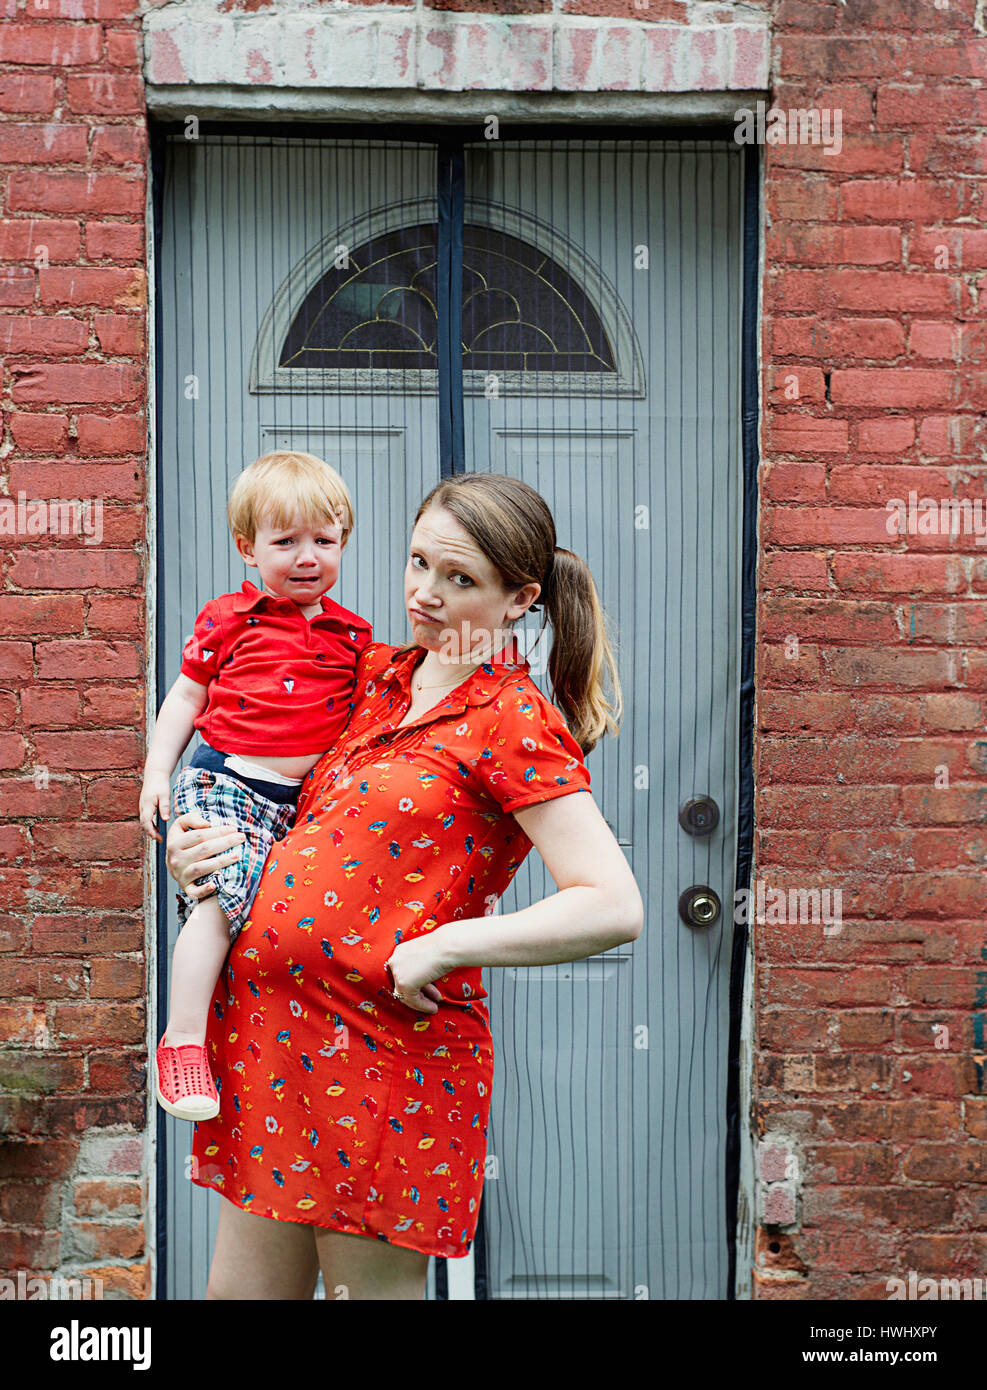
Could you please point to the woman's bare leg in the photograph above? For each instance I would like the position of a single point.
(365, 1268)
(259, 1258)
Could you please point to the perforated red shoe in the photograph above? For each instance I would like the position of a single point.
(185, 1085)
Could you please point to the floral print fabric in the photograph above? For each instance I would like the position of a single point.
(340, 1106)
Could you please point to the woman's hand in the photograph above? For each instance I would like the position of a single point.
(410, 970)
(196, 848)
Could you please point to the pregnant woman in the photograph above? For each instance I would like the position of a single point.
(348, 1035)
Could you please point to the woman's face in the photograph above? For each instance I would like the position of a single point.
(453, 595)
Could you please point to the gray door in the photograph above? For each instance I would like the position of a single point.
(601, 342)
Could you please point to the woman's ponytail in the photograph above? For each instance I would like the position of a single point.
(580, 651)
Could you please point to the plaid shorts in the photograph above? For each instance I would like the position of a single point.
(226, 801)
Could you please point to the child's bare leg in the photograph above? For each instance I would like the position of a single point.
(200, 950)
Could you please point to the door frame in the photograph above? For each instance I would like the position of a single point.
(738, 1153)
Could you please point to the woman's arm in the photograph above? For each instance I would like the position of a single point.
(598, 904)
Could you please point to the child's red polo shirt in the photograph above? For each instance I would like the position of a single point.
(279, 683)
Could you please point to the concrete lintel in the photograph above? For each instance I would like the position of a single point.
(449, 108)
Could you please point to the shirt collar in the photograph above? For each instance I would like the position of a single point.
(484, 683)
(251, 597)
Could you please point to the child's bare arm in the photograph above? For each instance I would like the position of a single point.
(173, 728)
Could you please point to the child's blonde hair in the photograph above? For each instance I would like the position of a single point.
(272, 488)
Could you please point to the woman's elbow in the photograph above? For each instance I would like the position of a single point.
(629, 909)
(636, 924)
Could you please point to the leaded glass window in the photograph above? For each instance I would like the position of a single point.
(522, 312)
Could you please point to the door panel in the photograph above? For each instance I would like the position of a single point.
(247, 224)
(623, 1134)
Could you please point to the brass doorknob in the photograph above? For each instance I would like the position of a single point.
(699, 906)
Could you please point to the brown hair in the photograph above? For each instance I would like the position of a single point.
(275, 486)
(512, 525)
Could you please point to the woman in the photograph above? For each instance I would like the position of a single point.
(349, 1038)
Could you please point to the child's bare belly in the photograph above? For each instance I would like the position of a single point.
(297, 766)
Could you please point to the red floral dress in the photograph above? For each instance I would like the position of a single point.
(339, 1106)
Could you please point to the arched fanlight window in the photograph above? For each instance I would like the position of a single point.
(521, 311)
(355, 320)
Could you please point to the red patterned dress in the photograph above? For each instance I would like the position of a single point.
(339, 1106)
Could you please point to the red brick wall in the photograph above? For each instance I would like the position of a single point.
(871, 1160)
(73, 340)
(884, 1129)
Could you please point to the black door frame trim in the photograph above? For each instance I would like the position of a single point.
(450, 140)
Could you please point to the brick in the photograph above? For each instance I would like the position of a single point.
(87, 935)
(119, 144)
(117, 241)
(50, 45)
(13, 750)
(907, 199)
(111, 434)
(122, 48)
(16, 286)
(82, 9)
(17, 660)
(24, 1158)
(22, 239)
(98, 1240)
(99, 384)
(886, 435)
(915, 388)
(120, 334)
(83, 193)
(98, 1023)
(43, 144)
(113, 706)
(809, 435)
(898, 574)
(34, 1205)
(74, 660)
(15, 846)
(118, 288)
(42, 979)
(61, 1116)
(83, 479)
(117, 1073)
(961, 1163)
(95, 1197)
(80, 569)
(105, 93)
(116, 979)
(113, 615)
(38, 433)
(87, 749)
(36, 334)
(27, 93)
(25, 797)
(112, 798)
(108, 840)
(30, 614)
(36, 1251)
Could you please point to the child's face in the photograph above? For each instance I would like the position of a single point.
(300, 561)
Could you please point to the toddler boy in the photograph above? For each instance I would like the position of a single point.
(267, 679)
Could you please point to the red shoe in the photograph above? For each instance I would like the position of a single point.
(185, 1084)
